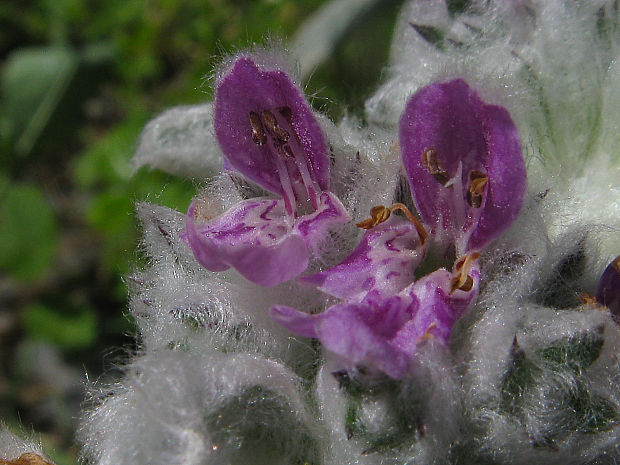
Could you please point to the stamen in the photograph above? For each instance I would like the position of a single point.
(587, 299)
(477, 181)
(463, 281)
(271, 124)
(268, 119)
(285, 151)
(258, 134)
(285, 181)
(285, 148)
(380, 213)
(427, 334)
(429, 159)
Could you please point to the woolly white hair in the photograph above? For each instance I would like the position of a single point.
(12, 446)
(531, 375)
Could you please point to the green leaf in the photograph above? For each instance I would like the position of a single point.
(520, 376)
(575, 353)
(399, 425)
(559, 290)
(32, 83)
(258, 427)
(430, 34)
(29, 232)
(69, 331)
(457, 7)
(596, 415)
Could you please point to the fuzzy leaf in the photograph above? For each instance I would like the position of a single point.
(258, 426)
(576, 353)
(521, 374)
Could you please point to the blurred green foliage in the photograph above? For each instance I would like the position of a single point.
(29, 232)
(78, 81)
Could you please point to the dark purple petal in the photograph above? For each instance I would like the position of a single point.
(608, 292)
(463, 159)
(268, 133)
(507, 178)
(359, 333)
(254, 237)
(384, 261)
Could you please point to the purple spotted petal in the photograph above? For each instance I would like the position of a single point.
(384, 261)
(384, 333)
(439, 308)
(463, 159)
(268, 133)
(258, 239)
(608, 292)
(254, 237)
(314, 226)
(359, 333)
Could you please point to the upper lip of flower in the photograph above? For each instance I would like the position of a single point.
(463, 159)
(268, 133)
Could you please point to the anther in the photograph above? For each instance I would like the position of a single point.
(587, 299)
(429, 159)
(271, 124)
(477, 181)
(378, 215)
(463, 281)
(381, 213)
(258, 135)
(428, 334)
(590, 301)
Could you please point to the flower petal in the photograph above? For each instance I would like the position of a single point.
(608, 292)
(359, 333)
(463, 159)
(300, 323)
(384, 261)
(314, 226)
(267, 131)
(439, 308)
(254, 237)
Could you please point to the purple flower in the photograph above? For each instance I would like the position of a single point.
(267, 132)
(467, 176)
(608, 292)
(463, 159)
(383, 263)
(384, 333)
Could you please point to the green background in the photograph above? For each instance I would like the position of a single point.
(78, 81)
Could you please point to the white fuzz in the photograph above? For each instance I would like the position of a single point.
(12, 446)
(532, 373)
(181, 141)
(178, 408)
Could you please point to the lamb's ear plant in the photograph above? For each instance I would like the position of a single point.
(434, 286)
